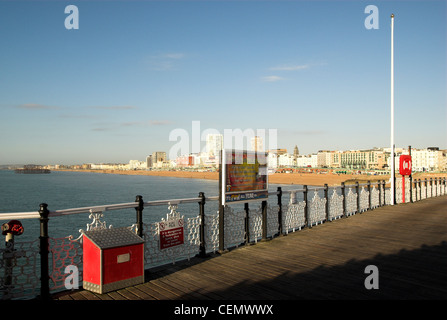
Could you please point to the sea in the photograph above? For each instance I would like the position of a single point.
(65, 190)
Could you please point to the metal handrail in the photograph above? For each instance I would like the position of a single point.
(19, 215)
(100, 208)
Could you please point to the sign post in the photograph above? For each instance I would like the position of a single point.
(404, 170)
(243, 177)
(392, 173)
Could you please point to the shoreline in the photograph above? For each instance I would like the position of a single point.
(311, 179)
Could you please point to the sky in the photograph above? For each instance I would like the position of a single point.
(135, 72)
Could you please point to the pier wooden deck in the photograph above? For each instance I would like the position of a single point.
(407, 243)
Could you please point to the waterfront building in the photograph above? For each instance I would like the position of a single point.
(296, 152)
(104, 166)
(370, 159)
(149, 162)
(279, 157)
(310, 161)
(278, 151)
(214, 143)
(443, 161)
(429, 159)
(272, 160)
(286, 160)
(324, 158)
(257, 144)
(137, 165)
(185, 161)
(158, 158)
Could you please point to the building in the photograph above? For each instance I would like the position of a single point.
(137, 165)
(324, 158)
(372, 159)
(429, 159)
(185, 161)
(278, 151)
(296, 152)
(353, 159)
(272, 160)
(256, 144)
(105, 166)
(149, 162)
(443, 161)
(158, 156)
(214, 143)
(309, 161)
(279, 157)
(286, 160)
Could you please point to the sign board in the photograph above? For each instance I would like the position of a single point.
(405, 165)
(171, 233)
(244, 176)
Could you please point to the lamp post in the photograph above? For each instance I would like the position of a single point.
(392, 112)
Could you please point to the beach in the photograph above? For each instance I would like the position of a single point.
(311, 179)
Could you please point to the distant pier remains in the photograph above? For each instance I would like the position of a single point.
(32, 169)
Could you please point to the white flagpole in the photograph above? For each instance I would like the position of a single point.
(392, 111)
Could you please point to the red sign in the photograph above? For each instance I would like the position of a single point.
(405, 165)
(171, 233)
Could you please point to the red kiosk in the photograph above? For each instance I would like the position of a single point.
(404, 170)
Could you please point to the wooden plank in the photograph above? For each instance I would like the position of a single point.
(63, 297)
(140, 294)
(156, 291)
(128, 294)
(179, 287)
(114, 295)
(222, 284)
(166, 289)
(287, 282)
(254, 276)
(208, 276)
(89, 295)
(103, 296)
(194, 283)
(78, 296)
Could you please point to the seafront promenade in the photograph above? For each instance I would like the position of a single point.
(406, 242)
(300, 177)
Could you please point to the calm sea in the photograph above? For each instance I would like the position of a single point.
(64, 190)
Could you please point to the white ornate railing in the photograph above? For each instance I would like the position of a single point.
(364, 200)
(375, 197)
(335, 206)
(351, 202)
(293, 214)
(317, 209)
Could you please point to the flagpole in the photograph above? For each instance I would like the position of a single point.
(392, 113)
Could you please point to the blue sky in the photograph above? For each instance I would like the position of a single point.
(134, 71)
